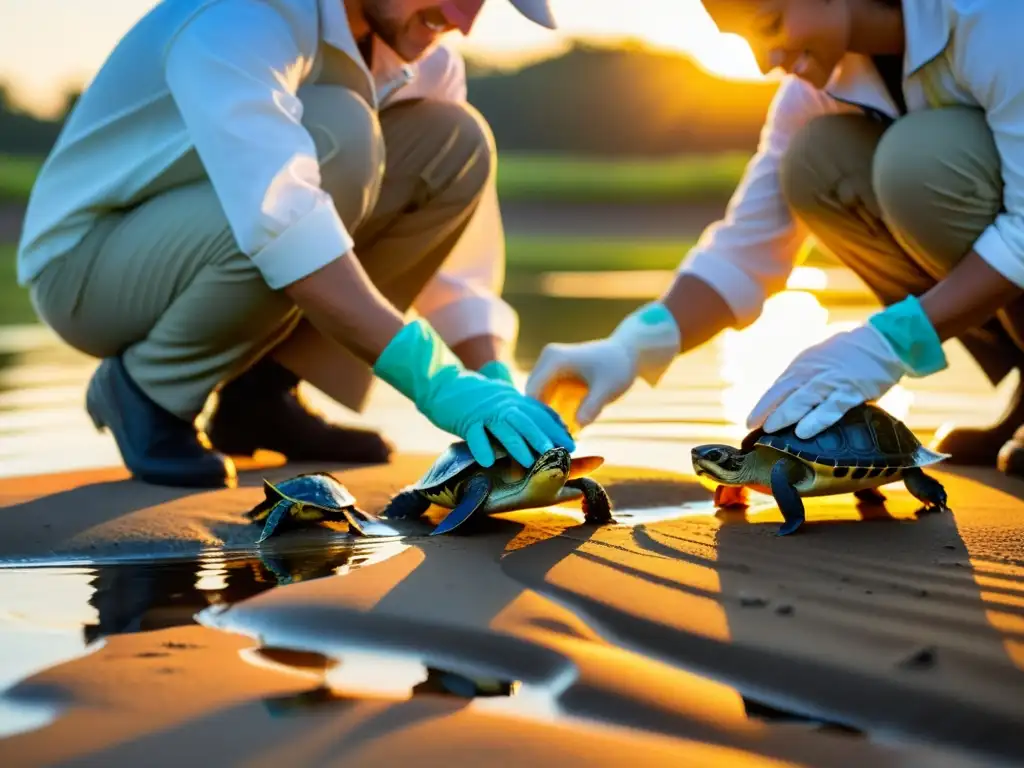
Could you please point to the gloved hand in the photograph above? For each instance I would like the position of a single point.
(498, 371)
(644, 344)
(825, 381)
(419, 365)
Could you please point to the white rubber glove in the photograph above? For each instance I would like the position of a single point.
(825, 381)
(644, 344)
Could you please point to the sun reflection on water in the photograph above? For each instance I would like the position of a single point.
(792, 320)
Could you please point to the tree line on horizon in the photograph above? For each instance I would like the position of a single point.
(593, 100)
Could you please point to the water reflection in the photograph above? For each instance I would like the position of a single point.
(704, 396)
(358, 675)
(51, 615)
(761, 711)
(792, 321)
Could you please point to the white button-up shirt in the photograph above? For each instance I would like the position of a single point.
(965, 52)
(221, 77)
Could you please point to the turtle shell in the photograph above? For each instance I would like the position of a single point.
(454, 460)
(866, 436)
(317, 488)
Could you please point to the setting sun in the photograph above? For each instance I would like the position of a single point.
(49, 45)
(675, 25)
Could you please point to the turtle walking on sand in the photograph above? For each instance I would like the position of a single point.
(458, 482)
(307, 499)
(865, 449)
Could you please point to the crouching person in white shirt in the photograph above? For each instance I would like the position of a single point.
(897, 140)
(254, 192)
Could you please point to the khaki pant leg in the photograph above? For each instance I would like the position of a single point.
(439, 158)
(938, 177)
(879, 200)
(165, 285)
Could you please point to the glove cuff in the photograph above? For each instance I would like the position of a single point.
(415, 360)
(913, 338)
(652, 335)
(498, 371)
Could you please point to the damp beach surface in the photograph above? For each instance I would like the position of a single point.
(140, 625)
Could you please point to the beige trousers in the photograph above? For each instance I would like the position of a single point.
(901, 205)
(164, 283)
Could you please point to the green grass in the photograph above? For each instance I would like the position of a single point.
(568, 179)
(15, 307)
(547, 253)
(17, 175)
(525, 254)
(543, 178)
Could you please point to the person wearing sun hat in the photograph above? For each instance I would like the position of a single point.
(896, 140)
(254, 193)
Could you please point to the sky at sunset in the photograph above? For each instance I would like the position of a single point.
(49, 45)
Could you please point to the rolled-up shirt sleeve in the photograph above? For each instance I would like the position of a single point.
(234, 70)
(993, 59)
(749, 254)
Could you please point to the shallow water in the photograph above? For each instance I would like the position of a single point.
(56, 613)
(705, 396)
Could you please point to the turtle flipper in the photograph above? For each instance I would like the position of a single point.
(474, 494)
(870, 495)
(787, 497)
(597, 507)
(927, 490)
(277, 513)
(406, 505)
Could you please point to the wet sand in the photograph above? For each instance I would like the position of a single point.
(657, 639)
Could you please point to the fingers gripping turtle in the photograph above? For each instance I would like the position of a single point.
(308, 499)
(865, 449)
(458, 482)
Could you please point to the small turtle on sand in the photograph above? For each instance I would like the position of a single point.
(310, 498)
(456, 481)
(867, 448)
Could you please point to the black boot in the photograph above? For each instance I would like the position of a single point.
(156, 446)
(262, 408)
(985, 446)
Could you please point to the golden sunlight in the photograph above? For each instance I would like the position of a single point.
(502, 35)
(38, 64)
(752, 359)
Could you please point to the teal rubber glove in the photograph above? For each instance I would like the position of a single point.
(497, 371)
(421, 366)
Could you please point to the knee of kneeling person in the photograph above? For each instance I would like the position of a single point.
(802, 177)
(899, 176)
(466, 140)
(350, 148)
(936, 166)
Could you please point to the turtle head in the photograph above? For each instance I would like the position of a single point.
(723, 463)
(550, 470)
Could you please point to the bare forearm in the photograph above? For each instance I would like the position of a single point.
(700, 312)
(342, 302)
(477, 351)
(971, 294)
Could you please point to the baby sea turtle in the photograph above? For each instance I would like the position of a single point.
(309, 498)
(867, 448)
(456, 481)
